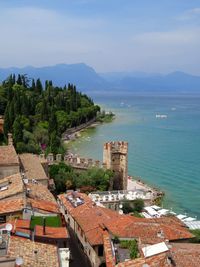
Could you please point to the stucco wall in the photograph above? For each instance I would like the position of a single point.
(8, 170)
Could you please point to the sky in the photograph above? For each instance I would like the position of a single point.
(159, 36)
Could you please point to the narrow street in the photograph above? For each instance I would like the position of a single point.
(79, 259)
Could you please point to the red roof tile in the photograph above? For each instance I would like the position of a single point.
(8, 156)
(51, 232)
(10, 206)
(44, 205)
(33, 253)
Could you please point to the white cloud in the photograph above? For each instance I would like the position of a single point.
(39, 36)
(190, 14)
(35, 36)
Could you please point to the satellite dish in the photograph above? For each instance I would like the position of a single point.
(120, 212)
(9, 227)
(26, 181)
(120, 206)
(19, 261)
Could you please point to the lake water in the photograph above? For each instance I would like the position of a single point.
(165, 152)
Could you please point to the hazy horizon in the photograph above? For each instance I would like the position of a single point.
(111, 36)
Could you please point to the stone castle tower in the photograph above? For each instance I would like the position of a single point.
(115, 158)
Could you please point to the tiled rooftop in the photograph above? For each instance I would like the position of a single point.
(11, 205)
(148, 230)
(51, 232)
(93, 219)
(44, 205)
(34, 254)
(14, 186)
(39, 192)
(8, 156)
(32, 166)
(159, 260)
(186, 254)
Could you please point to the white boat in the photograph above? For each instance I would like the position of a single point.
(161, 116)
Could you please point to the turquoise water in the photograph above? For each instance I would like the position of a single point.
(164, 152)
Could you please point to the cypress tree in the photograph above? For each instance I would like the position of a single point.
(17, 130)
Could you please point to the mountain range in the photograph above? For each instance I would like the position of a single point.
(87, 79)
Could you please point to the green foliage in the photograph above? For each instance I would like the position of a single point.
(66, 178)
(136, 205)
(98, 178)
(53, 221)
(44, 113)
(62, 174)
(127, 208)
(196, 233)
(104, 117)
(132, 246)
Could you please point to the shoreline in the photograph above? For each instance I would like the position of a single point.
(134, 183)
(74, 133)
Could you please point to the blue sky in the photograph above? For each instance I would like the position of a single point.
(109, 35)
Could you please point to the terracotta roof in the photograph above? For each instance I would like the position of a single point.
(155, 261)
(19, 223)
(32, 167)
(40, 192)
(11, 205)
(159, 260)
(186, 254)
(14, 186)
(93, 219)
(8, 156)
(44, 205)
(51, 232)
(148, 230)
(89, 217)
(33, 253)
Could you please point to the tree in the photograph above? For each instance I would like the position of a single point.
(17, 130)
(138, 204)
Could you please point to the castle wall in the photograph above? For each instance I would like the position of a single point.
(115, 158)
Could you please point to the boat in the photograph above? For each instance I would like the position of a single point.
(161, 116)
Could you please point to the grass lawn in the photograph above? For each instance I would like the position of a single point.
(50, 221)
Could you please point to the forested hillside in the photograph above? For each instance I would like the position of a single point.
(38, 116)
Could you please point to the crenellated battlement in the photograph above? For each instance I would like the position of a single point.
(117, 147)
(115, 158)
(82, 162)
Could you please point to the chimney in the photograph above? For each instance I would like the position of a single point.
(44, 225)
(10, 139)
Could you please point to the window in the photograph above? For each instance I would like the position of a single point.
(2, 219)
(100, 250)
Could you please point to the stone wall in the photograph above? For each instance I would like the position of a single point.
(8, 170)
(115, 158)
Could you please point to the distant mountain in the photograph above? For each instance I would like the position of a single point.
(87, 79)
(176, 82)
(83, 76)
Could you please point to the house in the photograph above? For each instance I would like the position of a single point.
(33, 253)
(42, 233)
(38, 191)
(32, 168)
(11, 187)
(89, 223)
(9, 162)
(11, 209)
